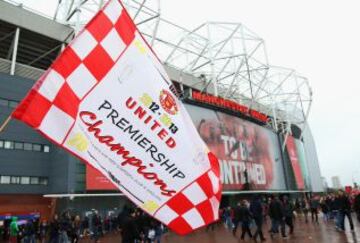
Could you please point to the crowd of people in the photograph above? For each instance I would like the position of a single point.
(135, 226)
(131, 223)
(335, 207)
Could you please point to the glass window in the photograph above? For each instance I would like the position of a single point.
(1, 144)
(13, 104)
(3, 102)
(34, 180)
(37, 147)
(4, 179)
(15, 180)
(9, 145)
(43, 181)
(25, 180)
(19, 145)
(28, 146)
(46, 148)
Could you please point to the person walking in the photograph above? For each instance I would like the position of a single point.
(229, 218)
(305, 207)
(288, 212)
(345, 210)
(314, 205)
(97, 226)
(324, 209)
(14, 230)
(275, 214)
(256, 210)
(43, 231)
(76, 229)
(337, 211)
(245, 219)
(54, 229)
(65, 225)
(129, 230)
(29, 232)
(237, 219)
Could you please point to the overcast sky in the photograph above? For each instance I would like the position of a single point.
(320, 39)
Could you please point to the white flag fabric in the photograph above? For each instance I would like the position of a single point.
(108, 101)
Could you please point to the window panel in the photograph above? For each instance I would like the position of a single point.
(5, 180)
(24, 146)
(19, 145)
(28, 146)
(37, 147)
(34, 180)
(9, 145)
(46, 148)
(25, 180)
(15, 180)
(43, 181)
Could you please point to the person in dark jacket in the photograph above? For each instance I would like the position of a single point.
(29, 232)
(325, 209)
(275, 214)
(256, 210)
(65, 224)
(129, 229)
(97, 226)
(314, 206)
(54, 229)
(304, 207)
(357, 206)
(288, 210)
(237, 212)
(345, 210)
(336, 211)
(245, 218)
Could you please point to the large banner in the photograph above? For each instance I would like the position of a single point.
(108, 100)
(95, 180)
(248, 153)
(292, 151)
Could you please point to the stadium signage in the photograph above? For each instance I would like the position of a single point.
(228, 104)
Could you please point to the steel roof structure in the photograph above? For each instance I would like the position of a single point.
(224, 59)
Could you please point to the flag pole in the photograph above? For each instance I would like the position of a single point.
(5, 123)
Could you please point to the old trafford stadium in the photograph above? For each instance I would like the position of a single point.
(118, 125)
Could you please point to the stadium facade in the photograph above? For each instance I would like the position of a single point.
(263, 142)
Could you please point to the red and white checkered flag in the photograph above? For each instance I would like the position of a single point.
(107, 100)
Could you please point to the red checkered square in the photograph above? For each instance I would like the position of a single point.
(204, 182)
(194, 193)
(99, 62)
(56, 124)
(67, 101)
(67, 62)
(214, 163)
(206, 211)
(113, 11)
(32, 109)
(181, 226)
(218, 195)
(180, 204)
(193, 218)
(99, 26)
(125, 27)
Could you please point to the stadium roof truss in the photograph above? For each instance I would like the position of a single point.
(226, 59)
